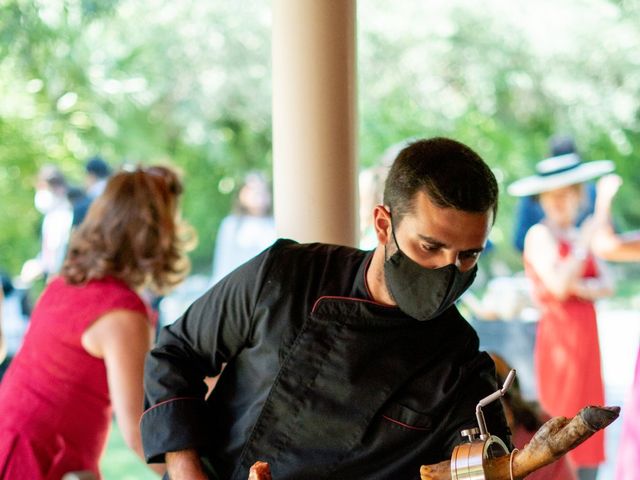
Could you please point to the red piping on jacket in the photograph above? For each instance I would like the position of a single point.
(337, 297)
(410, 427)
(167, 401)
(366, 286)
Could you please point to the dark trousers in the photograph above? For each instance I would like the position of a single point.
(587, 473)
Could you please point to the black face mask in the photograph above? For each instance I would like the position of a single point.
(424, 293)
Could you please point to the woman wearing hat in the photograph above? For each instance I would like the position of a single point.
(566, 278)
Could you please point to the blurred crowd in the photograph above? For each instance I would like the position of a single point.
(563, 228)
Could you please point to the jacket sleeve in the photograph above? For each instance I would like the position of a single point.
(210, 333)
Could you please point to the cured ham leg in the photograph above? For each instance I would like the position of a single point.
(554, 439)
(260, 471)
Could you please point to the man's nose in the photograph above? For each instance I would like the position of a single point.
(463, 264)
(452, 258)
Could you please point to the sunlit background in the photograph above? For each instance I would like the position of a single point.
(188, 83)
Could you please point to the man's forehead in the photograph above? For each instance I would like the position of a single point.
(447, 224)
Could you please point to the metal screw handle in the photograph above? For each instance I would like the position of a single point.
(470, 433)
(484, 433)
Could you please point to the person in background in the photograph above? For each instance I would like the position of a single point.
(340, 363)
(566, 279)
(529, 212)
(621, 247)
(97, 172)
(524, 419)
(82, 357)
(370, 192)
(13, 320)
(80, 202)
(52, 202)
(248, 230)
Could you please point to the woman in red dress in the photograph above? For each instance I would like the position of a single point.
(566, 279)
(82, 357)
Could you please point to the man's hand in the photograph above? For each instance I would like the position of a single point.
(185, 465)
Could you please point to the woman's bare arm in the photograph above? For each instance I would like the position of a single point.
(597, 287)
(615, 247)
(559, 275)
(608, 244)
(122, 338)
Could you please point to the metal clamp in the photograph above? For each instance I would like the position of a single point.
(468, 458)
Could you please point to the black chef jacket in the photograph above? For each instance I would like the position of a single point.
(320, 381)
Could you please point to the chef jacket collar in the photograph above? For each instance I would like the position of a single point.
(359, 307)
(360, 288)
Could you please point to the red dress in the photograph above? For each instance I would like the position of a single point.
(55, 410)
(567, 359)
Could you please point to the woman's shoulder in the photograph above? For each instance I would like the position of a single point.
(539, 230)
(539, 238)
(102, 293)
(541, 247)
(118, 288)
(110, 282)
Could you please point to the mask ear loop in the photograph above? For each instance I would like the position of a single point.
(511, 463)
(393, 231)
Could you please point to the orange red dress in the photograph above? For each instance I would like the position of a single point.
(567, 358)
(55, 410)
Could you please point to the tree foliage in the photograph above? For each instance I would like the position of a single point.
(189, 83)
(185, 83)
(503, 77)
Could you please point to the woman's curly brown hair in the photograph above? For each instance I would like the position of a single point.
(132, 232)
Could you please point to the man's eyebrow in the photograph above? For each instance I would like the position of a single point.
(439, 244)
(432, 241)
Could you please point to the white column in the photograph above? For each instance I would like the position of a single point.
(314, 120)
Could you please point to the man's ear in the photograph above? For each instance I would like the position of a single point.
(382, 224)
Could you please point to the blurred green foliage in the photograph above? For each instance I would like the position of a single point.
(503, 77)
(120, 463)
(189, 83)
(138, 82)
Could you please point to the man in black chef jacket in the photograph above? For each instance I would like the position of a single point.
(340, 363)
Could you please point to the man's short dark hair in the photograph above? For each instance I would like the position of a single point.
(453, 175)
